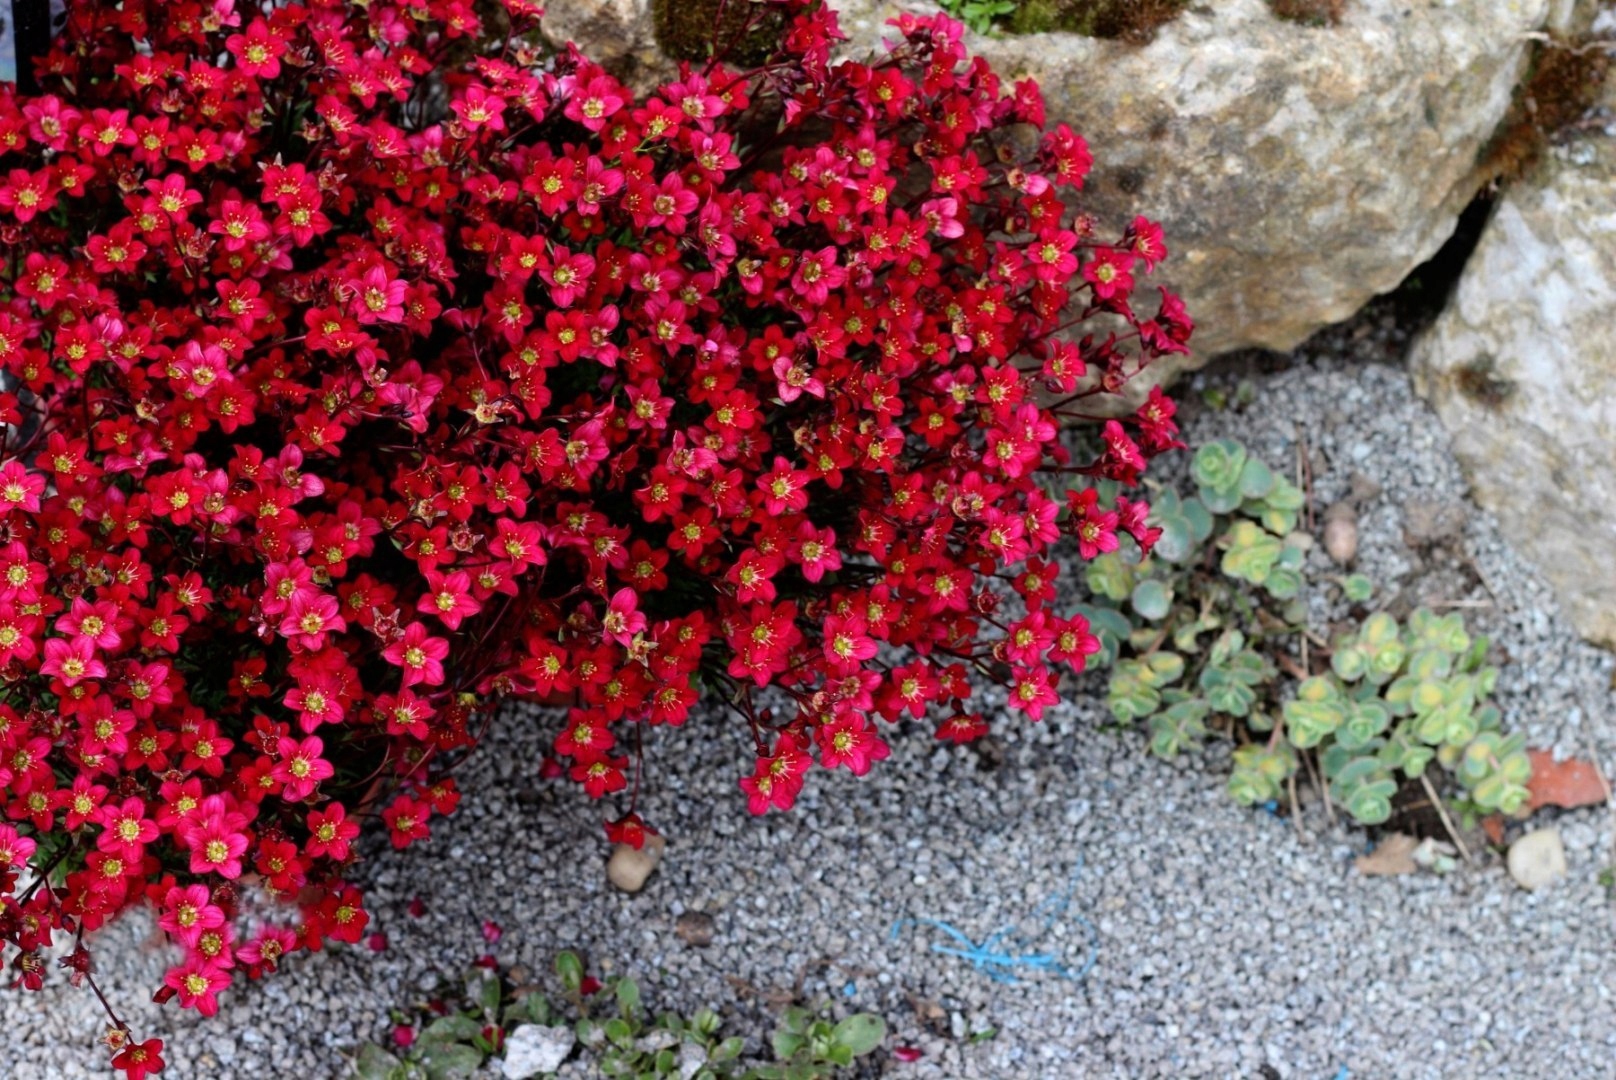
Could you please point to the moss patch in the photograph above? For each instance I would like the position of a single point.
(1130, 20)
(1562, 84)
(693, 30)
(1309, 12)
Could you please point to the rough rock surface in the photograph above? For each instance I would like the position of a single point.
(1298, 172)
(533, 1049)
(1521, 367)
(617, 34)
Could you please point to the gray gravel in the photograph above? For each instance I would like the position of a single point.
(1228, 944)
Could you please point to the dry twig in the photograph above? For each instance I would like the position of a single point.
(1447, 822)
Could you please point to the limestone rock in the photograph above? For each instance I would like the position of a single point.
(619, 35)
(533, 1050)
(1537, 859)
(1297, 171)
(1522, 369)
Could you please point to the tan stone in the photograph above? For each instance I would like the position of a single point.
(616, 34)
(629, 867)
(1297, 171)
(1522, 369)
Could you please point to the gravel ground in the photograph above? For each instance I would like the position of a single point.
(1229, 942)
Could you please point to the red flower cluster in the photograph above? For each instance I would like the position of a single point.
(366, 366)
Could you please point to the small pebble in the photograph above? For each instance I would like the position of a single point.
(533, 1049)
(1537, 859)
(1341, 533)
(695, 928)
(628, 868)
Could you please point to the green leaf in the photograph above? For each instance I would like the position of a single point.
(1110, 626)
(1403, 751)
(628, 997)
(1357, 588)
(1174, 543)
(1363, 787)
(374, 1063)
(1199, 518)
(1364, 721)
(529, 1008)
(1284, 496)
(1230, 686)
(705, 1021)
(1283, 583)
(1446, 632)
(787, 1043)
(1179, 727)
(796, 1018)
(456, 1027)
(1350, 662)
(451, 1061)
(484, 989)
(860, 1033)
(1256, 479)
(1110, 577)
(1152, 599)
(1129, 698)
(1250, 553)
(1217, 469)
(1496, 771)
(570, 969)
(1260, 772)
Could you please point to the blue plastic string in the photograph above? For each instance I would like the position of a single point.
(1008, 950)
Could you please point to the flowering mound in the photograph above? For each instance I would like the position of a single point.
(366, 365)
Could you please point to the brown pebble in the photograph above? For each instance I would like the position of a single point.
(1341, 533)
(695, 928)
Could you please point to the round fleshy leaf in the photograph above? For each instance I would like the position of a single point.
(1152, 600)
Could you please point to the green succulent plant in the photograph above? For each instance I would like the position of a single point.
(1260, 772)
(1364, 787)
(1195, 646)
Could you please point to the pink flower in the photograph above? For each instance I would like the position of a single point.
(816, 274)
(814, 550)
(1031, 693)
(849, 741)
(309, 617)
(198, 983)
(187, 912)
(623, 619)
(257, 52)
(125, 830)
(419, 655)
(448, 596)
(20, 489)
(72, 662)
(477, 108)
(216, 839)
(847, 643)
(376, 297)
(15, 849)
(330, 833)
(300, 768)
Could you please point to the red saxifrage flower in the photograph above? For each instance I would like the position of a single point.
(351, 388)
